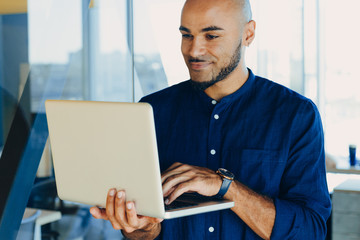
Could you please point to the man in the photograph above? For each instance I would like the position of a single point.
(268, 136)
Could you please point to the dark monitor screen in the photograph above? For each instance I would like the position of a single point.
(22, 148)
(19, 152)
(23, 143)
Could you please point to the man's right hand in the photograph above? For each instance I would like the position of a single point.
(123, 216)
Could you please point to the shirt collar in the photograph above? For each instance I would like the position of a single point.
(244, 89)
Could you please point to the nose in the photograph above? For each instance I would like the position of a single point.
(197, 48)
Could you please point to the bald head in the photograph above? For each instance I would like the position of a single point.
(241, 7)
(245, 8)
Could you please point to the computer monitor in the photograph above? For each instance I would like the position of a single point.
(20, 158)
(17, 166)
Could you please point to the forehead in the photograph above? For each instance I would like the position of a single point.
(199, 14)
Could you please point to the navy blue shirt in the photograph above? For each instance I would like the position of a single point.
(269, 136)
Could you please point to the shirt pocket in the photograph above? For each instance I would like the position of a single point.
(259, 169)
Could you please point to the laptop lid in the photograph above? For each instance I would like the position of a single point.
(101, 145)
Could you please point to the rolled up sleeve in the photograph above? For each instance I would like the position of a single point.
(303, 205)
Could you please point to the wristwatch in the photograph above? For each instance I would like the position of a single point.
(227, 178)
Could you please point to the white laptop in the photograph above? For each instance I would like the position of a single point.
(101, 145)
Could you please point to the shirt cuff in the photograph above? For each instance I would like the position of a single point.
(285, 226)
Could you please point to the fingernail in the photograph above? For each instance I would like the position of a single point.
(129, 206)
(119, 194)
(112, 192)
(167, 201)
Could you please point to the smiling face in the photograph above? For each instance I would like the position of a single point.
(211, 39)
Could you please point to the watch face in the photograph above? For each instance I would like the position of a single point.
(226, 173)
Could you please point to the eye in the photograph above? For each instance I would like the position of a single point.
(187, 36)
(211, 37)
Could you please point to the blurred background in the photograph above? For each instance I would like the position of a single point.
(121, 50)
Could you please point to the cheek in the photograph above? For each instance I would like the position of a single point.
(184, 48)
(218, 52)
(226, 51)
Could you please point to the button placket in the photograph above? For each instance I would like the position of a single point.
(214, 159)
(214, 138)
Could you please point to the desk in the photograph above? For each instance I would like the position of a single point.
(343, 166)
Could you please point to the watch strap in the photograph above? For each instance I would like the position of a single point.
(224, 188)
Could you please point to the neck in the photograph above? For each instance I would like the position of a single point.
(230, 84)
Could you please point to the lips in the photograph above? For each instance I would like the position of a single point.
(199, 65)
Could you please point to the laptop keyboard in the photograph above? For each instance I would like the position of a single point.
(178, 204)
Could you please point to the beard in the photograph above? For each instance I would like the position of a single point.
(224, 72)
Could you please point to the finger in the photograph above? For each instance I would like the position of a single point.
(184, 170)
(98, 213)
(120, 213)
(178, 191)
(131, 214)
(173, 166)
(110, 211)
(168, 192)
(172, 181)
(132, 218)
(176, 168)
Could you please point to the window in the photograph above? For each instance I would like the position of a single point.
(341, 90)
(312, 47)
(277, 52)
(157, 42)
(110, 59)
(55, 50)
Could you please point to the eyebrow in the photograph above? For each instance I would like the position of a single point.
(212, 28)
(182, 28)
(207, 29)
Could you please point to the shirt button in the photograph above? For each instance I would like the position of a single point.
(212, 152)
(216, 116)
(211, 229)
(214, 102)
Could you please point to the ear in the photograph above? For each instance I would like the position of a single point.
(249, 33)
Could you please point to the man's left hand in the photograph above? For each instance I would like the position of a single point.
(180, 178)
